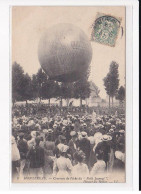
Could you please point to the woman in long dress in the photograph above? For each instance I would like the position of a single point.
(99, 167)
(81, 169)
(62, 166)
(15, 158)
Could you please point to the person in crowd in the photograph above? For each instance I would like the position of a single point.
(73, 143)
(62, 165)
(99, 167)
(84, 145)
(31, 142)
(69, 128)
(121, 139)
(92, 159)
(37, 159)
(60, 140)
(15, 158)
(53, 135)
(104, 147)
(119, 161)
(49, 147)
(23, 149)
(80, 168)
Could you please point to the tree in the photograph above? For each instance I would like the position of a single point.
(111, 81)
(82, 89)
(107, 85)
(66, 91)
(26, 88)
(34, 85)
(41, 79)
(17, 79)
(94, 89)
(49, 89)
(121, 94)
(21, 84)
(43, 87)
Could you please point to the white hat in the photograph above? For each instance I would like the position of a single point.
(33, 133)
(85, 125)
(65, 122)
(113, 126)
(45, 130)
(54, 126)
(83, 134)
(119, 155)
(81, 121)
(59, 145)
(107, 123)
(111, 130)
(63, 128)
(101, 126)
(45, 119)
(62, 147)
(72, 133)
(91, 139)
(49, 130)
(30, 123)
(106, 138)
(37, 125)
(118, 121)
(121, 131)
(69, 122)
(97, 135)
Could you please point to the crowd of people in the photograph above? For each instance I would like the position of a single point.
(57, 142)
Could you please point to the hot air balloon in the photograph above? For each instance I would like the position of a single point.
(64, 52)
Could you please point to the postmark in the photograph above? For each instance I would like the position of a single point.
(105, 30)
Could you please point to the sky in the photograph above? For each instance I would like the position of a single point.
(29, 23)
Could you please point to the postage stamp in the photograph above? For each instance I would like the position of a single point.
(105, 30)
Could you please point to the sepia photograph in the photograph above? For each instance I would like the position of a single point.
(68, 85)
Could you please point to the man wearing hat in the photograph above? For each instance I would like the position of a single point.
(76, 125)
(69, 128)
(73, 143)
(55, 131)
(36, 157)
(85, 127)
(121, 140)
(104, 148)
(84, 145)
(101, 129)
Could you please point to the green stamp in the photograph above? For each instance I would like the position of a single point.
(105, 30)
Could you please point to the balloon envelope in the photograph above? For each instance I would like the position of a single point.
(64, 53)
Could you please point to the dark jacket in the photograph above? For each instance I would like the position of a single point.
(72, 147)
(118, 165)
(104, 148)
(23, 148)
(84, 145)
(36, 157)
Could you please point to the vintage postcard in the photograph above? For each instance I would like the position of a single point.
(68, 94)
